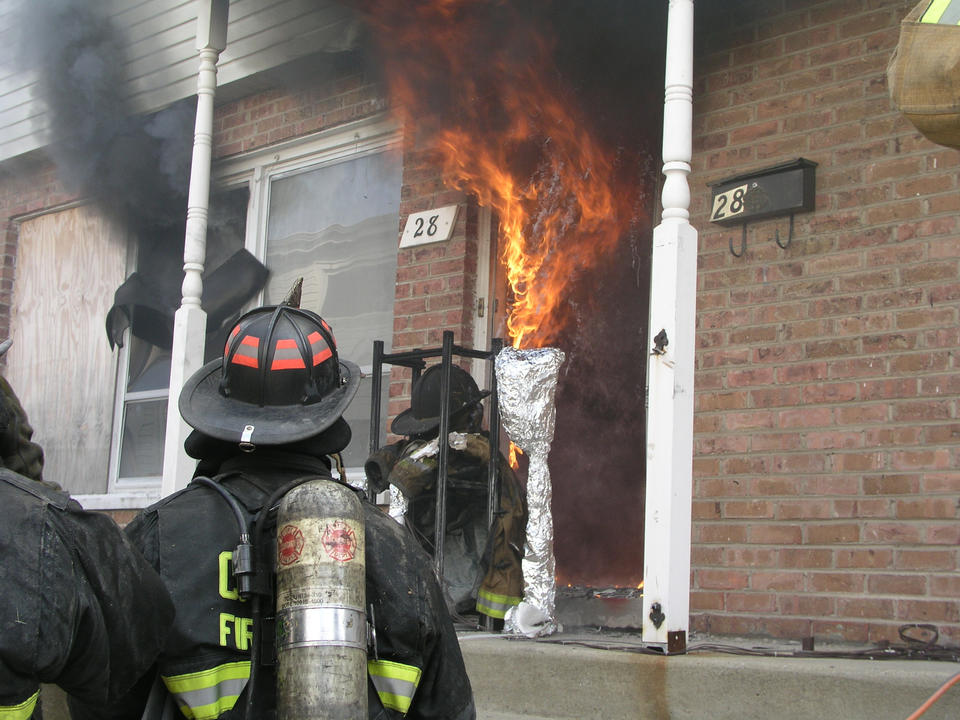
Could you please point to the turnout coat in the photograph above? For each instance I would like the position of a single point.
(417, 671)
(79, 606)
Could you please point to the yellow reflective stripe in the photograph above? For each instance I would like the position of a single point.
(395, 682)
(932, 14)
(207, 694)
(19, 712)
(945, 12)
(495, 605)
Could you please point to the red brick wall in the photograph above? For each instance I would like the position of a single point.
(436, 283)
(827, 422)
(283, 114)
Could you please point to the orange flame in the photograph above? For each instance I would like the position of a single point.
(508, 132)
(512, 458)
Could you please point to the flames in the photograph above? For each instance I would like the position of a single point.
(551, 223)
(477, 81)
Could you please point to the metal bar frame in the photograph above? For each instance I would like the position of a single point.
(416, 361)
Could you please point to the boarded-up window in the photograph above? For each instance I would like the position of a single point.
(69, 264)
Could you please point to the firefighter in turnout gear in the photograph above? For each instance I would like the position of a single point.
(482, 565)
(79, 606)
(267, 416)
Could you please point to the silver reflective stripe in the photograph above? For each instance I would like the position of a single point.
(207, 694)
(951, 16)
(320, 625)
(395, 683)
(495, 605)
(393, 686)
(942, 12)
(215, 696)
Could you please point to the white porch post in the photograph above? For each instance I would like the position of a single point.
(666, 550)
(190, 321)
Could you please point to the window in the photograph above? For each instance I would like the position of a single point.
(328, 210)
(143, 413)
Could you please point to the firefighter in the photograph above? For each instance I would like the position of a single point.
(79, 606)
(482, 564)
(266, 416)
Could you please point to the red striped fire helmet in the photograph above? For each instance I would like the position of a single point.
(280, 380)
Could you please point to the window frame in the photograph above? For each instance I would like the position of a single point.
(125, 493)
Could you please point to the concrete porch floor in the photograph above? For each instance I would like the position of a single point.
(612, 675)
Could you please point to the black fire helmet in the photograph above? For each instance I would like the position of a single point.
(423, 415)
(280, 380)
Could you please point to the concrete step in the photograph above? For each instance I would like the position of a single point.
(563, 679)
(569, 676)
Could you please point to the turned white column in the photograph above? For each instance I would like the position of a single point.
(673, 286)
(190, 321)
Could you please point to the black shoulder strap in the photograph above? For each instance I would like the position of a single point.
(57, 498)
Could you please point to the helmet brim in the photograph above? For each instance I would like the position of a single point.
(205, 409)
(406, 423)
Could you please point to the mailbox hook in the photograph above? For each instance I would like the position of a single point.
(776, 236)
(743, 243)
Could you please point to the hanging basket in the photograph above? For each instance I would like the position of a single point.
(924, 72)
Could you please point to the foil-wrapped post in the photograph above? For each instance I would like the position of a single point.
(526, 383)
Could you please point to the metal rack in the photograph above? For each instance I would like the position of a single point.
(415, 360)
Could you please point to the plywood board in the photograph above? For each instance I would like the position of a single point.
(69, 264)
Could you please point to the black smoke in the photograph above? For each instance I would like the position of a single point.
(135, 166)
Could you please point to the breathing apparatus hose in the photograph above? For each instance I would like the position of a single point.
(243, 561)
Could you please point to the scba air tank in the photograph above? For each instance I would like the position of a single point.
(321, 590)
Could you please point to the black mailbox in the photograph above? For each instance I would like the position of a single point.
(771, 192)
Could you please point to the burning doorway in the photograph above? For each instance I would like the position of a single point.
(597, 457)
(549, 116)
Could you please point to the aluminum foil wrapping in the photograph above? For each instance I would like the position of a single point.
(526, 383)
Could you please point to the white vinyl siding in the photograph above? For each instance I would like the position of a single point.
(161, 62)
